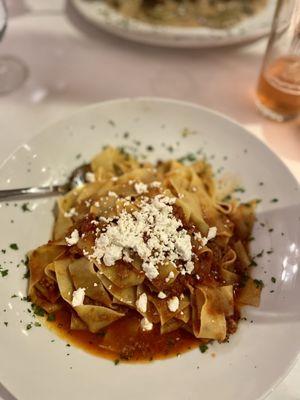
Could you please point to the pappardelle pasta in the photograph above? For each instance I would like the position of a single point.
(142, 254)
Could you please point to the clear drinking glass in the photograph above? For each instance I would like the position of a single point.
(278, 90)
(12, 71)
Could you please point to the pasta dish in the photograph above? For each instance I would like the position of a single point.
(217, 14)
(146, 260)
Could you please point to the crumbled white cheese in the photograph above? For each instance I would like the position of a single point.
(155, 184)
(141, 303)
(95, 284)
(146, 324)
(161, 295)
(73, 239)
(97, 204)
(71, 213)
(114, 178)
(173, 304)
(140, 187)
(212, 233)
(90, 177)
(189, 266)
(153, 232)
(150, 270)
(126, 256)
(112, 194)
(78, 297)
(194, 189)
(170, 276)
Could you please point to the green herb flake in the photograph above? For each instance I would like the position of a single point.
(4, 272)
(37, 310)
(37, 324)
(116, 362)
(68, 345)
(271, 230)
(239, 190)
(258, 283)
(26, 274)
(273, 279)
(78, 156)
(271, 291)
(260, 254)
(13, 296)
(3, 251)
(203, 348)
(14, 246)
(51, 317)
(253, 264)
(150, 148)
(269, 251)
(25, 207)
(126, 135)
(261, 183)
(274, 200)
(28, 326)
(5, 323)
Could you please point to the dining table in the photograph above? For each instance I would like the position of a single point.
(72, 64)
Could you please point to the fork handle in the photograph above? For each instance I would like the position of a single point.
(32, 192)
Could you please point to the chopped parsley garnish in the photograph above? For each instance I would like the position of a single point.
(37, 310)
(51, 317)
(271, 230)
(149, 148)
(26, 274)
(269, 252)
(25, 207)
(273, 279)
(3, 251)
(258, 283)
(78, 156)
(14, 246)
(189, 157)
(260, 254)
(68, 345)
(4, 272)
(5, 323)
(203, 348)
(271, 291)
(28, 326)
(274, 200)
(126, 135)
(13, 296)
(239, 190)
(37, 324)
(116, 362)
(227, 198)
(253, 264)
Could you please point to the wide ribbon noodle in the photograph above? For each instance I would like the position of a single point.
(154, 240)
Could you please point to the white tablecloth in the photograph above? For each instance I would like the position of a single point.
(72, 64)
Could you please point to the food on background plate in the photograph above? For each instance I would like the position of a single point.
(218, 14)
(146, 261)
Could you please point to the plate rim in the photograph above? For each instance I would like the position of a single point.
(112, 21)
(157, 100)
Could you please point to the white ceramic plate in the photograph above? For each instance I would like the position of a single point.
(258, 355)
(105, 17)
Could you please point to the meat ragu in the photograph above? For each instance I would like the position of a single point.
(146, 264)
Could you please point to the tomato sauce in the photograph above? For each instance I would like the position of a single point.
(124, 340)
